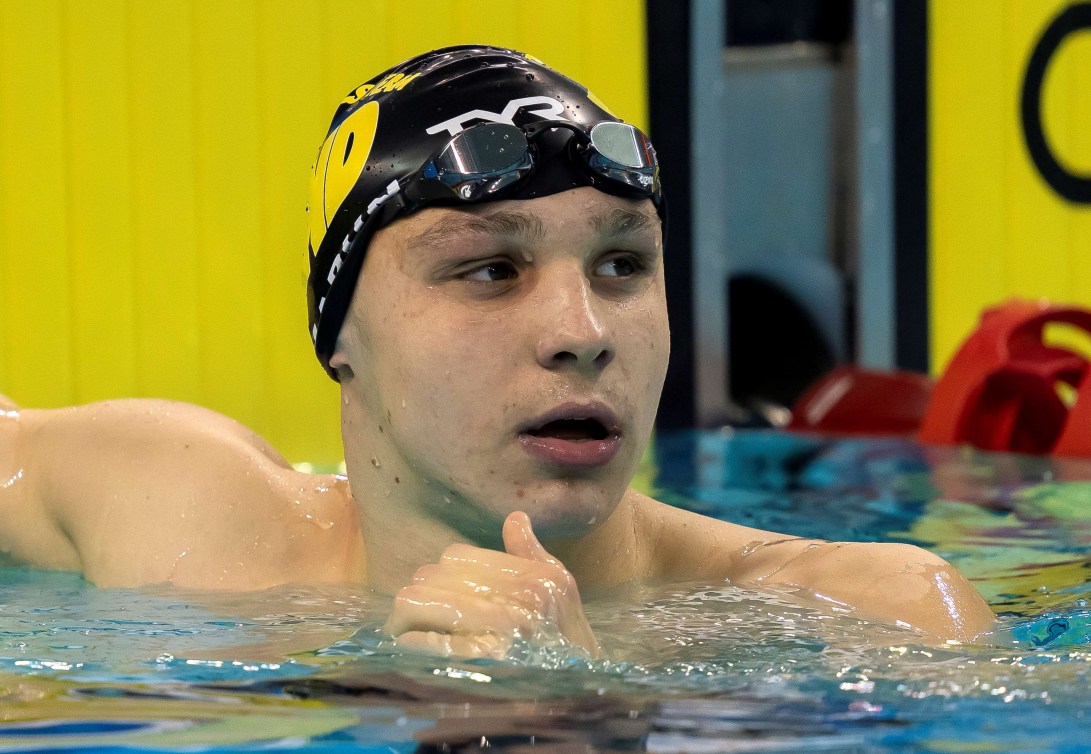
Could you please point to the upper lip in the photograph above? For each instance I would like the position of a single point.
(596, 410)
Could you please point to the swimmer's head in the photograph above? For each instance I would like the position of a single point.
(452, 127)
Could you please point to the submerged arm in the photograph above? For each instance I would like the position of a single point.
(893, 583)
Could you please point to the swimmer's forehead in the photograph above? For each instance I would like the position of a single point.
(511, 222)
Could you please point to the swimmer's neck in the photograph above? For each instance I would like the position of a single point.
(401, 537)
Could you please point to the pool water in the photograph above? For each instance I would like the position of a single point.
(694, 667)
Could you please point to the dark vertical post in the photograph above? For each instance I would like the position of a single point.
(669, 108)
(911, 191)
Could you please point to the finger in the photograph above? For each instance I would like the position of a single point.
(519, 539)
(528, 589)
(484, 561)
(446, 645)
(425, 642)
(420, 607)
(470, 579)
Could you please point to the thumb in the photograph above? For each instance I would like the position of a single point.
(519, 539)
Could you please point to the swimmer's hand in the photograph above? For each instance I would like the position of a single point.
(476, 602)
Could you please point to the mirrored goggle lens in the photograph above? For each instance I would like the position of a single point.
(622, 155)
(482, 154)
(623, 144)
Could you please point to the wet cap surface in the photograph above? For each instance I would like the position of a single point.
(387, 128)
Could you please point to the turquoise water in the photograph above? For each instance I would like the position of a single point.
(695, 667)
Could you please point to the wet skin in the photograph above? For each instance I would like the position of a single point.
(500, 370)
(509, 358)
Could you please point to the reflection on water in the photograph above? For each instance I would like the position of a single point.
(694, 667)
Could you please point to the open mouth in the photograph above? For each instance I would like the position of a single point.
(574, 436)
(572, 430)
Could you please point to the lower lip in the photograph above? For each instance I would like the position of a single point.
(584, 454)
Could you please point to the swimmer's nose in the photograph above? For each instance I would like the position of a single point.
(572, 332)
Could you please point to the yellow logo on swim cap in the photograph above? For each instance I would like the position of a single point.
(391, 83)
(340, 160)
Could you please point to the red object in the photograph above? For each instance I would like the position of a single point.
(849, 400)
(1000, 390)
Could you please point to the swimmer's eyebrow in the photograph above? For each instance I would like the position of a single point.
(504, 223)
(623, 221)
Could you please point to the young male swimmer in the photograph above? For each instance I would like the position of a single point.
(487, 288)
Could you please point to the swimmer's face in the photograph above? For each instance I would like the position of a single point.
(507, 357)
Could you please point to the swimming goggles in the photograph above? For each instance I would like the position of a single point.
(489, 161)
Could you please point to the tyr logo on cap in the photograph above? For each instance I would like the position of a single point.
(550, 108)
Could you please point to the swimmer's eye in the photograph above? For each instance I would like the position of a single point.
(621, 267)
(490, 273)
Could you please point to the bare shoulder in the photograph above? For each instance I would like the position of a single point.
(132, 422)
(136, 492)
(892, 582)
(684, 544)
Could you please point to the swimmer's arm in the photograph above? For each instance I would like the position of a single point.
(139, 492)
(889, 582)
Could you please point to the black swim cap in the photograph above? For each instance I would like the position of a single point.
(385, 131)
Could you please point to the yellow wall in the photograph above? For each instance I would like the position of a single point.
(997, 229)
(154, 157)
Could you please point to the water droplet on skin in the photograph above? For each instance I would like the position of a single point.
(375, 463)
(403, 402)
(324, 525)
(751, 548)
(12, 479)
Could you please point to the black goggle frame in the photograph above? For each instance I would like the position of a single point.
(490, 160)
(487, 162)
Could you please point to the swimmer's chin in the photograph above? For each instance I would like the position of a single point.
(559, 509)
(565, 523)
